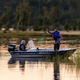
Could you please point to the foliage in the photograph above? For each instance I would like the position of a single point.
(37, 28)
(24, 13)
(78, 23)
(45, 27)
(5, 18)
(67, 26)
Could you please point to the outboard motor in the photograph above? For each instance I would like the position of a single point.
(11, 47)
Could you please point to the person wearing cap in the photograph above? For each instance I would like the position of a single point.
(57, 38)
(22, 46)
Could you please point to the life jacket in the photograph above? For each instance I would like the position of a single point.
(56, 36)
(22, 47)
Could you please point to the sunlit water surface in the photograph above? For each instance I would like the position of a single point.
(36, 69)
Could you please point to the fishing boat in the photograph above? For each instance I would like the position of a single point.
(33, 52)
(39, 53)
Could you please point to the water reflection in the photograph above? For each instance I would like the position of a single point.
(56, 71)
(37, 69)
(33, 69)
(13, 61)
(69, 72)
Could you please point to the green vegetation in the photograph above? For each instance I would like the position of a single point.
(45, 35)
(16, 34)
(40, 14)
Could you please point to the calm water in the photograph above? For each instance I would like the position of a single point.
(36, 69)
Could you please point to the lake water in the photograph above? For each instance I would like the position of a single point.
(37, 69)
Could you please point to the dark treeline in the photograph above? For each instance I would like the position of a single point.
(40, 14)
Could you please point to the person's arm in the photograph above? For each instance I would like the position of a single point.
(50, 32)
(61, 37)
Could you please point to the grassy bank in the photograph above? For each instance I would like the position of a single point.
(5, 37)
(67, 35)
(36, 33)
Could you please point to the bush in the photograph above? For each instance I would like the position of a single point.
(45, 27)
(37, 28)
(67, 26)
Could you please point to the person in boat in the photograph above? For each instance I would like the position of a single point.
(30, 44)
(57, 38)
(22, 46)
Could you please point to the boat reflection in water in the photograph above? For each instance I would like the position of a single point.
(40, 69)
(32, 68)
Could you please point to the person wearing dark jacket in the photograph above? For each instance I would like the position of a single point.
(22, 46)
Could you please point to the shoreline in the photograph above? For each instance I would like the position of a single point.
(42, 32)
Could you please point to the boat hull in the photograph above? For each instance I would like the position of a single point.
(38, 53)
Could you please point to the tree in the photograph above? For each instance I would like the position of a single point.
(39, 20)
(46, 18)
(78, 23)
(5, 18)
(37, 28)
(22, 16)
(55, 16)
(67, 26)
